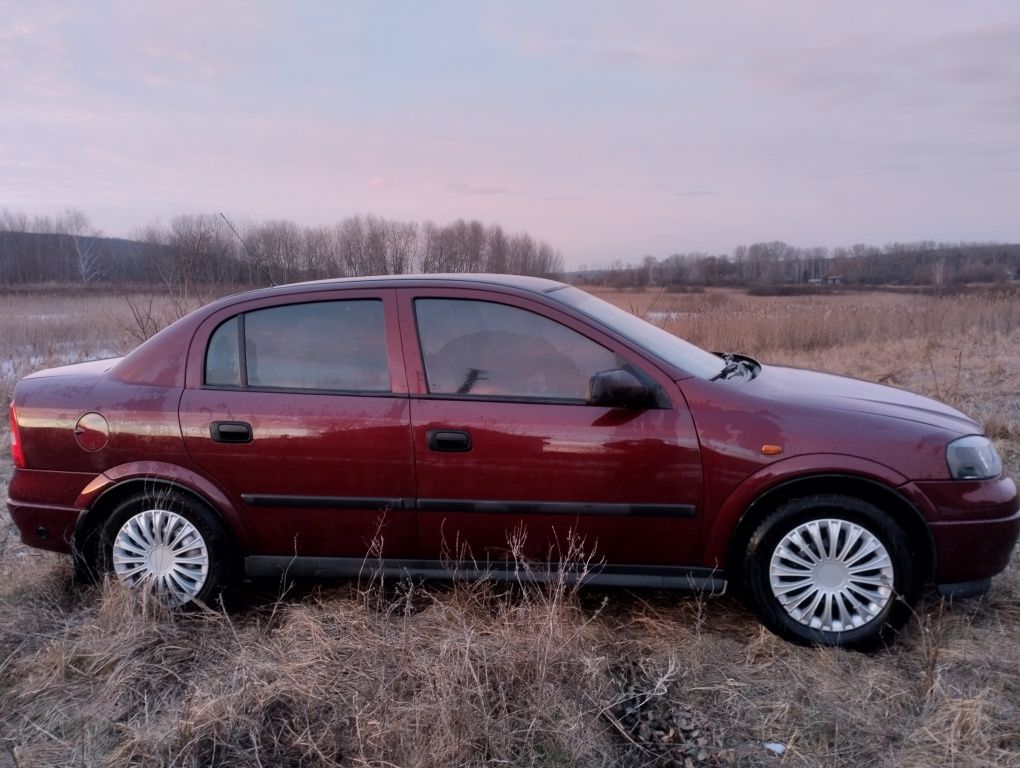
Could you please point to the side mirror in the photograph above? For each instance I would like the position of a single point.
(620, 389)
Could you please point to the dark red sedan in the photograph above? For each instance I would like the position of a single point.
(417, 424)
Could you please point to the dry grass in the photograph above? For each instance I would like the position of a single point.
(47, 328)
(959, 349)
(723, 319)
(477, 674)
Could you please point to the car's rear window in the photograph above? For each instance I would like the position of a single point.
(337, 346)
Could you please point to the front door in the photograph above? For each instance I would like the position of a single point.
(510, 459)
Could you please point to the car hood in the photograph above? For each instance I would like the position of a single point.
(844, 393)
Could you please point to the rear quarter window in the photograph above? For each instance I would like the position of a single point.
(222, 359)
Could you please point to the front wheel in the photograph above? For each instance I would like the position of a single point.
(168, 546)
(832, 570)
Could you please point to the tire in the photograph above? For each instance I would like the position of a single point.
(855, 595)
(167, 544)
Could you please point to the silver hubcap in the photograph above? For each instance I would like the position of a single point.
(831, 575)
(160, 551)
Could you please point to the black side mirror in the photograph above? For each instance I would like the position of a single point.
(620, 389)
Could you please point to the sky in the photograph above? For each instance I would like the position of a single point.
(611, 130)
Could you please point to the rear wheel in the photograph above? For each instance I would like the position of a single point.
(164, 544)
(832, 570)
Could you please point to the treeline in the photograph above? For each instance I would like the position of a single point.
(777, 263)
(207, 249)
(193, 251)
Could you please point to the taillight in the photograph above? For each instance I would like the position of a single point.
(16, 450)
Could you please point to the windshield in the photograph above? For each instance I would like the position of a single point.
(663, 344)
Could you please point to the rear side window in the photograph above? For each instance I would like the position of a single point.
(485, 349)
(335, 346)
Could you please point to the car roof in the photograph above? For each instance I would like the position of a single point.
(452, 280)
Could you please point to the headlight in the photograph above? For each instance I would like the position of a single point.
(973, 458)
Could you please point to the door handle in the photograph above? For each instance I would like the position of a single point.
(230, 431)
(450, 440)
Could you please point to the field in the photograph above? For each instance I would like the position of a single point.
(399, 674)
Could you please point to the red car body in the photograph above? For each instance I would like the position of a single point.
(666, 495)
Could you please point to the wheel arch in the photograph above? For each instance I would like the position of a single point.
(100, 497)
(885, 497)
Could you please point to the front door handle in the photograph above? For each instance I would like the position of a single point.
(451, 440)
(230, 431)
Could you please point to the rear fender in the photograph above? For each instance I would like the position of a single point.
(146, 474)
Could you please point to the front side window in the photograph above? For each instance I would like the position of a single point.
(326, 346)
(485, 349)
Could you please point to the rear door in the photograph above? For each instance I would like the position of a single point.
(298, 408)
(509, 456)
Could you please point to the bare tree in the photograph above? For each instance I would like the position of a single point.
(401, 238)
(194, 258)
(85, 244)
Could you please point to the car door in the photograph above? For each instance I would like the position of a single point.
(298, 408)
(509, 456)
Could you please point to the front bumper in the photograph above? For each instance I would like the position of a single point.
(974, 526)
(973, 549)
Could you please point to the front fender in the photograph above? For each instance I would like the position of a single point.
(732, 509)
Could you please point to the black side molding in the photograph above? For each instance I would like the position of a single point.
(556, 508)
(325, 502)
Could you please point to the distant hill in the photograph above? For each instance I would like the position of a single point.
(205, 249)
(31, 258)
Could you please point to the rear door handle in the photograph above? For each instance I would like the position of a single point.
(450, 440)
(230, 431)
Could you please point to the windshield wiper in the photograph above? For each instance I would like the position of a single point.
(733, 365)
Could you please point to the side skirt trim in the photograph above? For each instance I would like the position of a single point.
(705, 580)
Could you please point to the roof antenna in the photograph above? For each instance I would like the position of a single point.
(246, 248)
